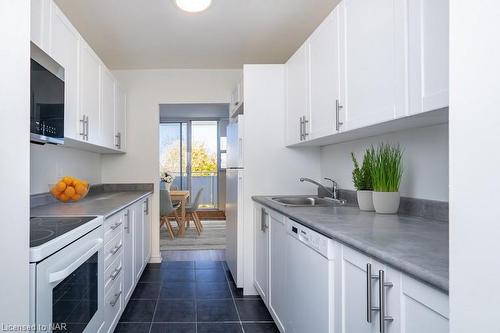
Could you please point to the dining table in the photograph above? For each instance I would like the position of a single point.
(182, 196)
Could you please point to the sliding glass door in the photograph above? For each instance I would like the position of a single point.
(189, 151)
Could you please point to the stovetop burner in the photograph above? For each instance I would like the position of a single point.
(44, 229)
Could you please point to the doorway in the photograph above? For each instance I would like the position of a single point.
(193, 151)
(189, 151)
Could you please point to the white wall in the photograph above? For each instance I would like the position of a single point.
(474, 166)
(146, 90)
(49, 163)
(14, 164)
(425, 161)
(270, 167)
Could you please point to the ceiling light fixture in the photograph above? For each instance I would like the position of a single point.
(193, 6)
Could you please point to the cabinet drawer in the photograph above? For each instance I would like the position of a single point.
(113, 226)
(113, 305)
(113, 273)
(112, 250)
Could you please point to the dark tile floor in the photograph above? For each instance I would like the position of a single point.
(192, 296)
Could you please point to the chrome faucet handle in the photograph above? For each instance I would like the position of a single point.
(335, 187)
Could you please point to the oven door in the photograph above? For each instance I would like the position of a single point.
(69, 287)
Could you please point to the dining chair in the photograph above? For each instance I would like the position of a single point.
(167, 209)
(191, 212)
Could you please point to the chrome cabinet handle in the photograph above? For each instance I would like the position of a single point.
(127, 226)
(118, 140)
(381, 300)
(263, 225)
(115, 273)
(301, 127)
(305, 122)
(116, 225)
(88, 128)
(117, 297)
(338, 123)
(116, 248)
(83, 132)
(369, 307)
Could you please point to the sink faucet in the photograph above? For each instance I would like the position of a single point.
(333, 194)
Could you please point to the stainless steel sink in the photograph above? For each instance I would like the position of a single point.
(302, 201)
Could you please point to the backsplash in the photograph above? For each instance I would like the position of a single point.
(425, 161)
(49, 163)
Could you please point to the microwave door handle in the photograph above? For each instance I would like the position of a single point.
(58, 276)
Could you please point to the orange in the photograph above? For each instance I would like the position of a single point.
(54, 191)
(76, 197)
(85, 183)
(63, 197)
(80, 189)
(68, 180)
(60, 187)
(70, 191)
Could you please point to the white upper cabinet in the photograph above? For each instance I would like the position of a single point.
(120, 118)
(297, 96)
(90, 94)
(64, 45)
(325, 77)
(107, 108)
(93, 111)
(40, 17)
(374, 63)
(428, 28)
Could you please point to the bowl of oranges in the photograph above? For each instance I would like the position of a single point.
(69, 189)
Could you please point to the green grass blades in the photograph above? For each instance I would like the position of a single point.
(387, 168)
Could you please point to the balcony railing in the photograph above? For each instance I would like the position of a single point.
(206, 180)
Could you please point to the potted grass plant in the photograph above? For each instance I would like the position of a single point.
(362, 179)
(387, 170)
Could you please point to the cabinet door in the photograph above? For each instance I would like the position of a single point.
(428, 29)
(373, 62)
(90, 90)
(297, 93)
(120, 119)
(128, 254)
(325, 77)
(277, 269)
(355, 294)
(40, 22)
(107, 108)
(261, 252)
(64, 45)
(424, 308)
(138, 240)
(146, 208)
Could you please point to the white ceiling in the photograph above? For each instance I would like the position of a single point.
(146, 34)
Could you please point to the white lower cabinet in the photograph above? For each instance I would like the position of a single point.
(261, 255)
(128, 255)
(277, 302)
(113, 306)
(406, 305)
(361, 291)
(138, 240)
(127, 250)
(423, 309)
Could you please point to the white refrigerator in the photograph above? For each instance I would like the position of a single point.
(234, 199)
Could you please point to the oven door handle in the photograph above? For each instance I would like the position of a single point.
(58, 276)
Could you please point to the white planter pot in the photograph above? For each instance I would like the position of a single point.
(365, 200)
(386, 202)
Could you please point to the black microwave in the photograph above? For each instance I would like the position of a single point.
(47, 99)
